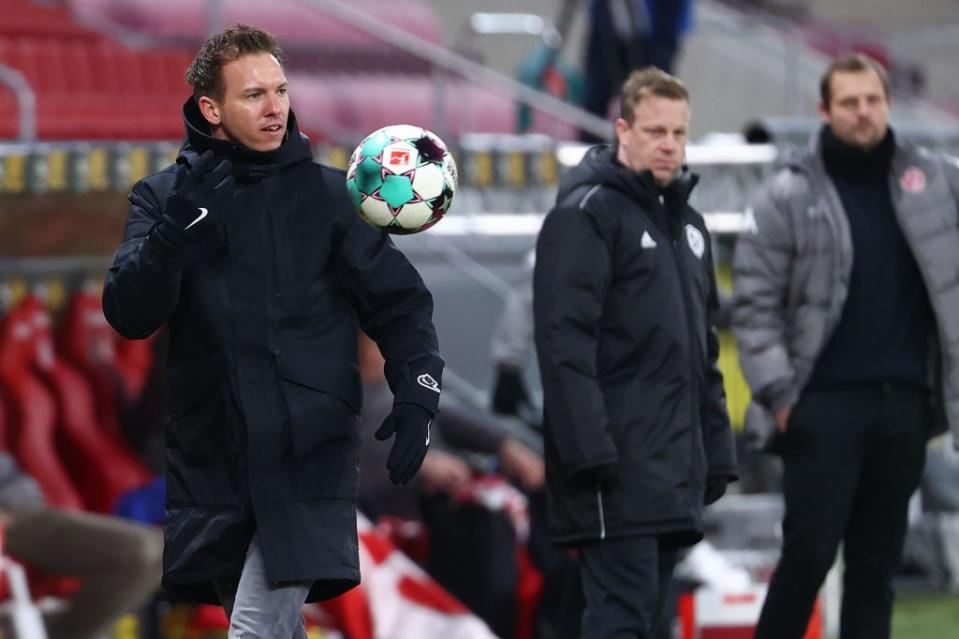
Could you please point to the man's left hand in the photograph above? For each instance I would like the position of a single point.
(411, 424)
(715, 488)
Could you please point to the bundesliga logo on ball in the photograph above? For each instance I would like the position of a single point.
(402, 179)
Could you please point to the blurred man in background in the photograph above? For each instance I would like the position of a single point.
(847, 317)
(626, 35)
(637, 437)
(512, 347)
(118, 562)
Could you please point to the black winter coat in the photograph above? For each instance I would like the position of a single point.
(624, 292)
(264, 388)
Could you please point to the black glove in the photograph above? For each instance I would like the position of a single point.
(411, 423)
(509, 391)
(605, 476)
(715, 488)
(197, 194)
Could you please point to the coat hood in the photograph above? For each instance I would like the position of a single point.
(600, 166)
(249, 165)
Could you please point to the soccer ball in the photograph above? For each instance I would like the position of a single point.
(401, 179)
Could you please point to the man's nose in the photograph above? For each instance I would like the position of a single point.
(273, 104)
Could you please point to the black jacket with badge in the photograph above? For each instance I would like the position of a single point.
(635, 414)
(262, 302)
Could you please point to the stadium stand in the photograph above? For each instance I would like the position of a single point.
(90, 86)
(86, 86)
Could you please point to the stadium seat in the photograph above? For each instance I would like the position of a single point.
(9, 126)
(31, 410)
(134, 358)
(294, 23)
(101, 467)
(344, 108)
(31, 18)
(335, 105)
(86, 341)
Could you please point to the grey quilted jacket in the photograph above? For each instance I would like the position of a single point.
(793, 263)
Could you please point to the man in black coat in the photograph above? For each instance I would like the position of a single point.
(253, 257)
(637, 437)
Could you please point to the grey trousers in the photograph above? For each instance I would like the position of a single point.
(258, 609)
(119, 564)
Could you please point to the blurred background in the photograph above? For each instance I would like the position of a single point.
(90, 99)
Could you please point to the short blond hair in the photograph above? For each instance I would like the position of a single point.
(649, 81)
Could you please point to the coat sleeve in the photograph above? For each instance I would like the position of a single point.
(571, 278)
(951, 166)
(761, 269)
(717, 432)
(394, 307)
(142, 288)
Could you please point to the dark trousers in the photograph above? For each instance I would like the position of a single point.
(625, 583)
(852, 458)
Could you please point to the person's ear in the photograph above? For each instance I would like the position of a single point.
(823, 112)
(622, 129)
(210, 110)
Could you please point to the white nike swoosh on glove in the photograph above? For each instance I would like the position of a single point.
(203, 214)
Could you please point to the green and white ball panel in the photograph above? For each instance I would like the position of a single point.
(368, 176)
(429, 181)
(377, 212)
(414, 215)
(397, 191)
(373, 145)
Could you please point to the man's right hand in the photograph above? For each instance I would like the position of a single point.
(781, 418)
(198, 193)
(604, 476)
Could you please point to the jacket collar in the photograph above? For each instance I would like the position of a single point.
(250, 165)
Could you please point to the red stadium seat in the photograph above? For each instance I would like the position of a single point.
(9, 126)
(30, 18)
(294, 23)
(338, 104)
(134, 359)
(102, 467)
(31, 417)
(86, 341)
(310, 37)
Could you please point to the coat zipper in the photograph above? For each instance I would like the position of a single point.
(683, 274)
(602, 513)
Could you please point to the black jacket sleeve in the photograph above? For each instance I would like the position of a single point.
(572, 276)
(392, 304)
(717, 432)
(142, 287)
